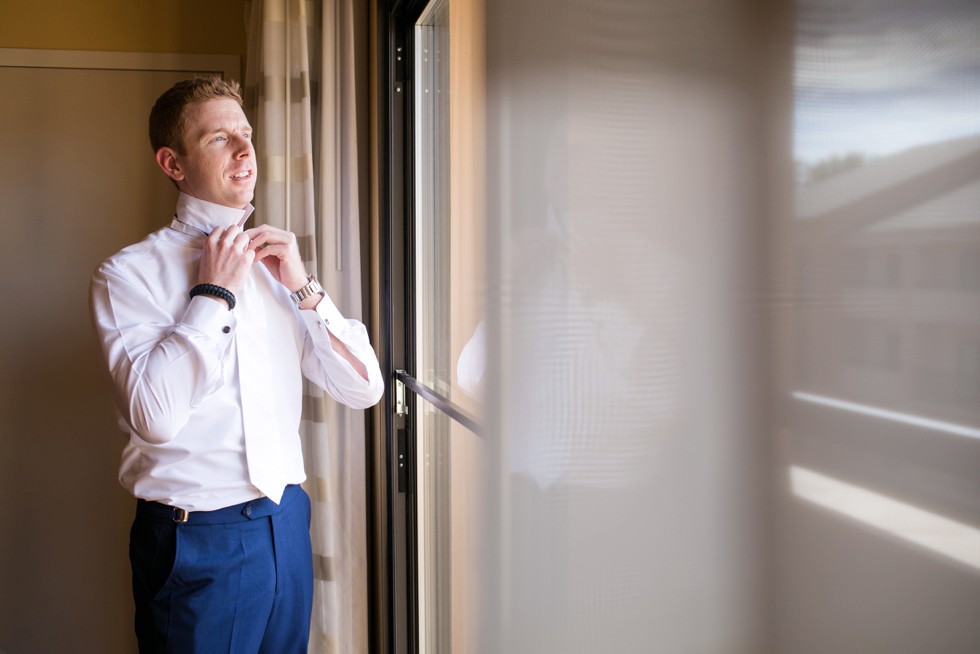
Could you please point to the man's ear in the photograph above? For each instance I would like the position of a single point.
(166, 158)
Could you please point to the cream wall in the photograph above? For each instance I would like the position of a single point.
(64, 571)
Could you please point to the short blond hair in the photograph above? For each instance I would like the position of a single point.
(167, 122)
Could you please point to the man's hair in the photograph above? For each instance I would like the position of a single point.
(167, 122)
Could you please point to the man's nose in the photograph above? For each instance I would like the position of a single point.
(243, 146)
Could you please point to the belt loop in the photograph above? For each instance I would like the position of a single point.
(180, 515)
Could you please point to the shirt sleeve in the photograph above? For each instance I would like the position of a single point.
(331, 371)
(161, 366)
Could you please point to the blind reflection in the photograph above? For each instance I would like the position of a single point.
(738, 243)
(621, 198)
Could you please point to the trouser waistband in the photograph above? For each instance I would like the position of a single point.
(250, 510)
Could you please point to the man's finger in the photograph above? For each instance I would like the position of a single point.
(266, 240)
(264, 229)
(269, 250)
(241, 241)
(231, 233)
(268, 234)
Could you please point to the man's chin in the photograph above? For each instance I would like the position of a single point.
(241, 200)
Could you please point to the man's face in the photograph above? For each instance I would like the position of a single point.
(218, 164)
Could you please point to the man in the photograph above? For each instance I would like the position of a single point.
(206, 330)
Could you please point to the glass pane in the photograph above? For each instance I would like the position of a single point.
(432, 228)
(450, 517)
(448, 357)
(434, 529)
(449, 226)
(449, 283)
(663, 266)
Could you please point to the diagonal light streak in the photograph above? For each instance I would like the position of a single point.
(939, 534)
(887, 414)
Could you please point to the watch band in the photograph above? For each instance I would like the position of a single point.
(312, 288)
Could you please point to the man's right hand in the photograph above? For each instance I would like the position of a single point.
(226, 259)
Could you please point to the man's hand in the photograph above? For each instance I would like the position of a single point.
(226, 260)
(277, 250)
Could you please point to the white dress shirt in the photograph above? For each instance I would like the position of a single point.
(174, 366)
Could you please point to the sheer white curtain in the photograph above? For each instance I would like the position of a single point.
(301, 97)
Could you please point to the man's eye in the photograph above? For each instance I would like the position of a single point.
(247, 135)
(217, 138)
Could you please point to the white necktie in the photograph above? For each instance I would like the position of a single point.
(263, 446)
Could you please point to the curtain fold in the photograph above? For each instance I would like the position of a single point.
(300, 94)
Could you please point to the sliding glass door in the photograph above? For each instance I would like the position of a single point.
(436, 263)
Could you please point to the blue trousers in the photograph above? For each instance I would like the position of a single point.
(237, 580)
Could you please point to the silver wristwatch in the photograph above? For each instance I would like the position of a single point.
(312, 288)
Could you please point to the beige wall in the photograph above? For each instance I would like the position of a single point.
(185, 26)
(64, 572)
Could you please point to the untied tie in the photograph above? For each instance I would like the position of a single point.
(263, 444)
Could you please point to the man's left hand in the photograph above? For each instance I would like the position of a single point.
(277, 250)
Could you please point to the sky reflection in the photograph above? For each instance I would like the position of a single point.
(877, 77)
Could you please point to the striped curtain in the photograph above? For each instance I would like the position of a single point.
(299, 88)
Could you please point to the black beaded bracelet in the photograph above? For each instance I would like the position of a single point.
(216, 291)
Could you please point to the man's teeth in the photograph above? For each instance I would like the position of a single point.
(242, 175)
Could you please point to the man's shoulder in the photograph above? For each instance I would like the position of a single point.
(136, 255)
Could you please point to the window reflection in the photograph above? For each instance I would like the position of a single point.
(885, 240)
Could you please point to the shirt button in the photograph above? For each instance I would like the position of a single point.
(248, 510)
(226, 329)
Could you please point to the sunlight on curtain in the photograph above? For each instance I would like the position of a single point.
(300, 92)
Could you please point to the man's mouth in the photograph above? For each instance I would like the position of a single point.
(245, 174)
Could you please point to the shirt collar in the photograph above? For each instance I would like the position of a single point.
(205, 216)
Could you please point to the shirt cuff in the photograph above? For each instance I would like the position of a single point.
(210, 318)
(327, 314)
